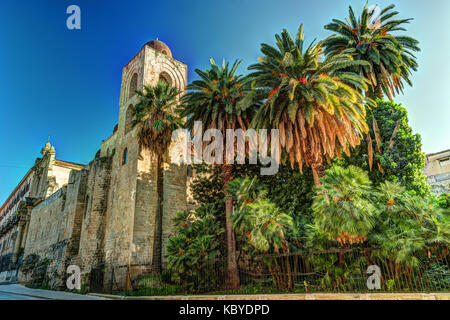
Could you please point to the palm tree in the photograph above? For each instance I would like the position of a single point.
(264, 227)
(342, 208)
(342, 212)
(216, 100)
(156, 116)
(390, 58)
(313, 102)
(412, 231)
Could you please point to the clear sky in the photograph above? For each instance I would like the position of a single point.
(65, 83)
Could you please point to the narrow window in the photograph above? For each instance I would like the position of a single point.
(86, 207)
(133, 86)
(125, 156)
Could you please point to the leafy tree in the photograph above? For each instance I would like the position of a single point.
(155, 113)
(264, 226)
(403, 233)
(443, 200)
(342, 208)
(291, 191)
(411, 231)
(316, 105)
(342, 217)
(390, 57)
(207, 185)
(193, 253)
(215, 100)
(395, 149)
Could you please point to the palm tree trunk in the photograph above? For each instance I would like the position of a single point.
(157, 242)
(318, 171)
(233, 274)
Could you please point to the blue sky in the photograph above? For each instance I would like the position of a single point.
(65, 83)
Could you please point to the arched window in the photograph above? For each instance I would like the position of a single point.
(128, 119)
(125, 156)
(133, 86)
(164, 77)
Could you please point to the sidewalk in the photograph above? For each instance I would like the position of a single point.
(293, 296)
(18, 289)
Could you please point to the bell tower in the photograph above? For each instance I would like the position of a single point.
(154, 62)
(132, 199)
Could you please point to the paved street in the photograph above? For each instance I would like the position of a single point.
(12, 296)
(20, 292)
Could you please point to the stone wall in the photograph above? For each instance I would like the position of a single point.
(55, 227)
(120, 210)
(48, 236)
(92, 220)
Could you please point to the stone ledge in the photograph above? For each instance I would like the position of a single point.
(308, 296)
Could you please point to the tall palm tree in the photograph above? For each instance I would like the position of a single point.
(390, 56)
(156, 114)
(316, 104)
(216, 100)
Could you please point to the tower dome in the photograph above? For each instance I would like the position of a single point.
(159, 46)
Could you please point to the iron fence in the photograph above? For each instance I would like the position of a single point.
(335, 270)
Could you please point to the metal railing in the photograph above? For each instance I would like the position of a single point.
(334, 270)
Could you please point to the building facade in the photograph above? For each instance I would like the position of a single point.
(437, 170)
(9, 223)
(41, 181)
(101, 216)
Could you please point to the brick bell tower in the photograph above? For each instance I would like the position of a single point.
(132, 201)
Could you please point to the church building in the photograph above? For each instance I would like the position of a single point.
(99, 216)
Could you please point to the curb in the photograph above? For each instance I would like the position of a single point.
(312, 296)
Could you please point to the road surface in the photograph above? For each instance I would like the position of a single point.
(20, 292)
(12, 296)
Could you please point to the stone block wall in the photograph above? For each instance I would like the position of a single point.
(48, 236)
(55, 228)
(175, 200)
(92, 220)
(119, 217)
(144, 210)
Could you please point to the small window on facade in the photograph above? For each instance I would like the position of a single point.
(125, 156)
(86, 208)
(133, 86)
